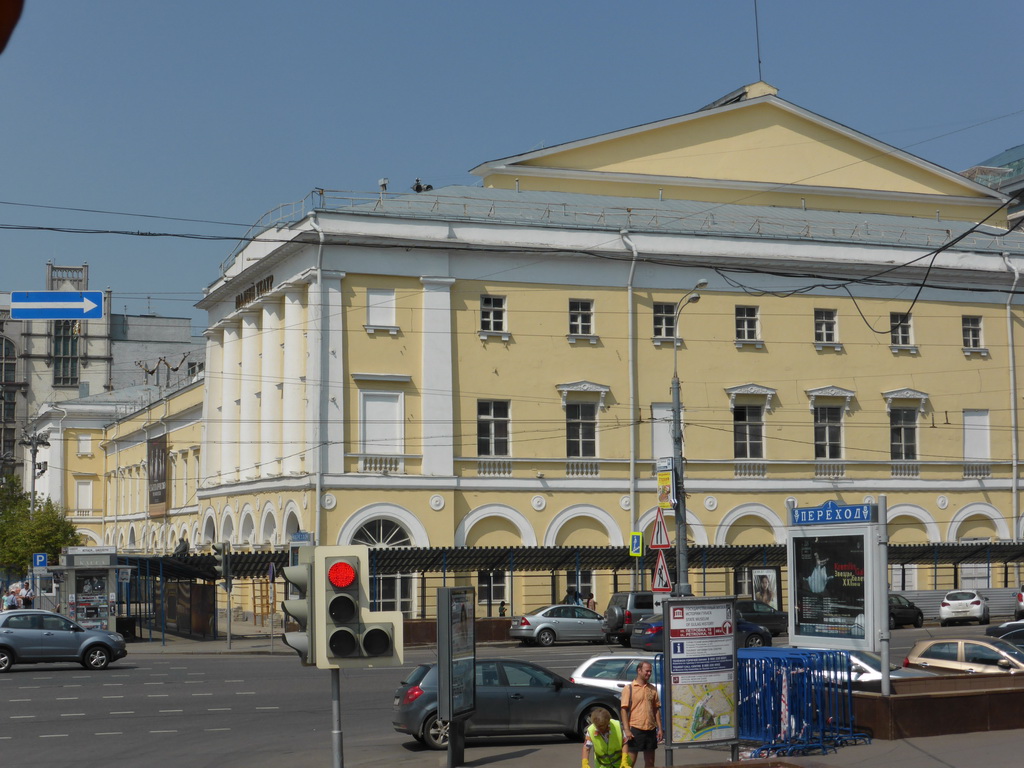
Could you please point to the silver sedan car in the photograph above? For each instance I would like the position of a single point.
(554, 623)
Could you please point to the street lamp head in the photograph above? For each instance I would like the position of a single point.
(702, 283)
(693, 298)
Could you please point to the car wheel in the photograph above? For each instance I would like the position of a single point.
(754, 641)
(919, 620)
(943, 623)
(6, 660)
(546, 637)
(624, 641)
(96, 657)
(435, 732)
(892, 621)
(984, 620)
(586, 717)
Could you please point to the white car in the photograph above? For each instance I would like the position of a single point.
(963, 605)
(613, 671)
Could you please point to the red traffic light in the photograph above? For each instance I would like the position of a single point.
(341, 575)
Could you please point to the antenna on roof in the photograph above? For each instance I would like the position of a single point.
(757, 37)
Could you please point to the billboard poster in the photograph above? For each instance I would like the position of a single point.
(764, 586)
(456, 644)
(156, 471)
(666, 490)
(90, 603)
(829, 585)
(701, 671)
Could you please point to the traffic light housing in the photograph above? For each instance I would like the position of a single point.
(222, 566)
(301, 610)
(348, 633)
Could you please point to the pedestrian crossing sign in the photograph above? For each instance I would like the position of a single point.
(636, 544)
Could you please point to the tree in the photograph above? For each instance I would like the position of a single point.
(48, 530)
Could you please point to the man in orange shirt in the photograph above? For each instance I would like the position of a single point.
(641, 716)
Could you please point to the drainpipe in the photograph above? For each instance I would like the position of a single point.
(321, 358)
(634, 422)
(1014, 448)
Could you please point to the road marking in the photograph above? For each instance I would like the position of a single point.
(23, 717)
(18, 700)
(53, 735)
(202, 694)
(205, 729)
(113, 685)
(267, 707)
(158, 695)
(124, 712)
(163, 731)
(234, 681)
(165, 711)
(161, 682)
(67, 698)
(119, 696)
(72, 714)
(245, 693)
(28, 687)
(109, 733)
(218, 709)
(179, 667)
(43, 678)
(194, 682)
(75, 685)
(161, 674)
(197, 673)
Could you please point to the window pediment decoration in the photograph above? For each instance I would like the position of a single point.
(905, 394)
(583, 386)
(832, 391)
(756, 390)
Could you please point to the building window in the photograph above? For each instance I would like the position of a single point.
(8, 359)
(8, 400)
(7, 440)
(972, 332)
(492, 424)
(84, 445)
(581, 317)
(828, 432)
(903, 434)
(899, 329)
(382, 439)
(584, 588)
(748, 432)
(664, 321)
(492, 314)
(491, 587)
(65, 353)
(746, 324)
(380, 307)
(825, 331)
(580, 430)
(83, 497)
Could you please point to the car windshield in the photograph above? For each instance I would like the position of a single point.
(1010, 650)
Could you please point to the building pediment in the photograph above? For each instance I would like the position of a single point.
(583, 386)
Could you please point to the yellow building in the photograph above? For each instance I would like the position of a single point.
(491, 366)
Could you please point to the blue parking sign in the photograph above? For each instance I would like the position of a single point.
(39, 560)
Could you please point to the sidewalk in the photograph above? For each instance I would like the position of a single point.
(993, 749)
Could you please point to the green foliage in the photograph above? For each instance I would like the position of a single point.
(48, 530)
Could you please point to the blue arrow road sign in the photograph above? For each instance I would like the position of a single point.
(39, 560)
(56, 305)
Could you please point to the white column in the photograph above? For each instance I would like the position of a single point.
(210, 455)
(294, 389)
(333, 431)
(231, 372)
(249, 403)
(437, 407)
(271, 385)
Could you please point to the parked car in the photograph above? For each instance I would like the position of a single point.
(963, 605)
(512, 697)
(1018, 604)
(756, 612)
(866, 670)
(649, 635)
(903, 612)
(613, 671)
(552, 623)
(35, 636)
(966, 656)
(1010, 631)
(625, 609)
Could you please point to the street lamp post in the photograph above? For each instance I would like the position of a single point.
(682, 587)
(34, 442)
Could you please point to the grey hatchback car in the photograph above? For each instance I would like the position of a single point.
(33, 637)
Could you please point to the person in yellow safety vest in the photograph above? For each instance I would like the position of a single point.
(604, 736)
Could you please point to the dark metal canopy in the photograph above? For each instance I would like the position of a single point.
(254, 565)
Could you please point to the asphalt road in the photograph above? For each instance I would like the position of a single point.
(237, 710)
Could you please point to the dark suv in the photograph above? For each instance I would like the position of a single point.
(627, 608)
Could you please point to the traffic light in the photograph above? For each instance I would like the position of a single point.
(301, 609)
(222, 553)
(348, 633)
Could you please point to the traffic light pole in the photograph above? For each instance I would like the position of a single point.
(337, 738)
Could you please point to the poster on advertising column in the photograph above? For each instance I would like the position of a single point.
(701, 672)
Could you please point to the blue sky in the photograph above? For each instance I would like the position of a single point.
(219, 111)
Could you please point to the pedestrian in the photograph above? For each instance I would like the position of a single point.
(502, 609)
(27, 596)
(572, 597)
(591, 602)
(10, 600)
(604, 737)
(641, 716)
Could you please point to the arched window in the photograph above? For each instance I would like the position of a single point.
(391, 592)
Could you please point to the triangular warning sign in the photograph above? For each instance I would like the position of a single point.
(659, 538)
(661, 581)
